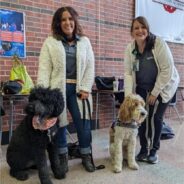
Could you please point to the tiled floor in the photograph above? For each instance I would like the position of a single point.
(169, 170)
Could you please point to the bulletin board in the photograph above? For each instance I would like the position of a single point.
(12, 33)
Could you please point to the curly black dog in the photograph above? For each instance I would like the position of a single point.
(28, 145)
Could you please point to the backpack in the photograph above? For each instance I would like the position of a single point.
(167, 132)
(74, 150)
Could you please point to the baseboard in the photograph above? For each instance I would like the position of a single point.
(70, 127)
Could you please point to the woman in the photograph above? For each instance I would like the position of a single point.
(67, 62)
(150, 72)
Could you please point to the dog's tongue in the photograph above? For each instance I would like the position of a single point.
(45, 125)
(50, 122)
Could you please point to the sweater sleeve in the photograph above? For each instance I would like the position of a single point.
(165, 63)
(128, 77)
(45, 66)
(88, 77)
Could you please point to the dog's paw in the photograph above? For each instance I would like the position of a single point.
(117, 170)
(59, 176)
(134, 166)
(19, 175)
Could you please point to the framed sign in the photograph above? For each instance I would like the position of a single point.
(12, 33)
(165, 17)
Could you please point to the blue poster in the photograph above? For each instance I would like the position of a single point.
(12, 34)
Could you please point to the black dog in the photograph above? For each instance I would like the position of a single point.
(28, 145)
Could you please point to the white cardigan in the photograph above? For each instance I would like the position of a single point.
(167, 79)
(52, 69)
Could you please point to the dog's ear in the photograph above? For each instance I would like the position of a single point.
(58, 100)
(125, 111)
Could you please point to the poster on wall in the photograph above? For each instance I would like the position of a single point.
(165, 17)
(12, 33)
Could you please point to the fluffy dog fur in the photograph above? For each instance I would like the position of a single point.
(28, 145)
(123, 135)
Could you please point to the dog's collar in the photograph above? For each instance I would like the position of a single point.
(51, 132)
(49, 135)
(133, 124)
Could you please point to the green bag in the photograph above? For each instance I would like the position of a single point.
(19, 72)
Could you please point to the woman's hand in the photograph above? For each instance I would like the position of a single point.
(152, 99)
(83, 95)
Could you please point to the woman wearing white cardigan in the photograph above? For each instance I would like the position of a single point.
(150, 72)
(67, 62)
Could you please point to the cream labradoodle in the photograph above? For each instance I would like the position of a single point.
(123, 134)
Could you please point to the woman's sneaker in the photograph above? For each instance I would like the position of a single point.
(142, 157)
(153, 158)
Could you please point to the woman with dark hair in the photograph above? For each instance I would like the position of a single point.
(57, 31)
(150, 72)
(67, 62)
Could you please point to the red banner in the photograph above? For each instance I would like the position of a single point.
(6, 36)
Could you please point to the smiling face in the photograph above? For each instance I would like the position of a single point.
(139, 31)
(67, 24)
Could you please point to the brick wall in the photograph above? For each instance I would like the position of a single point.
(106, 23)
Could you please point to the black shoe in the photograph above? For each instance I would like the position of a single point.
(142, 156)
(64, 164)
(153, 157)
(87, 162)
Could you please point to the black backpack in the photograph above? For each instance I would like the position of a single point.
(167, 132)
(74, 150)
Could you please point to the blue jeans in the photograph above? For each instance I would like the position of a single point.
(83, 128)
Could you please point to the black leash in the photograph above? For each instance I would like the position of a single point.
(84, 117)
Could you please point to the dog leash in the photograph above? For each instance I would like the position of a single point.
(99, 167)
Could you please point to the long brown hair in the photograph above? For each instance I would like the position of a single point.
(56, 22)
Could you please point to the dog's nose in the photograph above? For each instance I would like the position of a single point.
(143, 113)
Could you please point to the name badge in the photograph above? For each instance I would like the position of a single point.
(136, 65)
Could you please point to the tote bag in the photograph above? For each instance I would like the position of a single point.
(104, 83)
(19, 72)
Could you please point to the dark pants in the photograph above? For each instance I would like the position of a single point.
(83, 129)
(150, 130)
